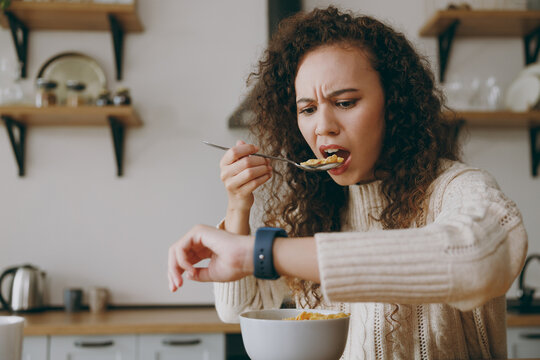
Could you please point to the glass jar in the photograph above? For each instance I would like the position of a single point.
(74, 96)
(122, 97)
(104, 98)
(45, 95)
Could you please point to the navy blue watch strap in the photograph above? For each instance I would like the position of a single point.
(263, 257)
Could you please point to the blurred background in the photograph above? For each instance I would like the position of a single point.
(73, 217)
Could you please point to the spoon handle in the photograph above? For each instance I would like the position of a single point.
(261, 155)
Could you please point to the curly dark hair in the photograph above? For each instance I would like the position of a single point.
(416, 133)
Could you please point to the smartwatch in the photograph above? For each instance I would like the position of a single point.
(263, 258)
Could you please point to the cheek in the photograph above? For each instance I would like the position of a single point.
(306, 131)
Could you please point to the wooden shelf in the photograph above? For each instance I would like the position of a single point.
(73, 16)
(446, 24)
(18, 118)
(69, 116)
(483, 22)
(21, 17)
(505, 119)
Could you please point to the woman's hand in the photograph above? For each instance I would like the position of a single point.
(242, 174)
(231, 256)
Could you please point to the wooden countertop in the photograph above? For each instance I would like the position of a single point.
(159, 320)
(128, 321)
(518, 320)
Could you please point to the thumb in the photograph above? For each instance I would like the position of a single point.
(240, 142)
(201, 274)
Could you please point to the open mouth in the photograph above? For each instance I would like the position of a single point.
(327, 151)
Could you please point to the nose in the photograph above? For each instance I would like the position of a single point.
(327, 123)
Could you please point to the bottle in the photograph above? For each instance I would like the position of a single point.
(122, 97)
(45, 95)
(74, 95)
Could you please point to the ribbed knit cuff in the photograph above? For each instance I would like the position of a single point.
(232, 297)
(381, 266)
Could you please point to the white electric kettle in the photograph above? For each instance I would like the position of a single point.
(26, 289)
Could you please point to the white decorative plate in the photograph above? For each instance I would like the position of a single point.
(523, 94)
(531, 69)
(74, 66)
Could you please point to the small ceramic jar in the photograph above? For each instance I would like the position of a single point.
(45, 95)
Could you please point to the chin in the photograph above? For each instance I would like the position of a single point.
(343, 180)
(346, 179)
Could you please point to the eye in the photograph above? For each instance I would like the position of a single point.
(308, 110)
(346, 104)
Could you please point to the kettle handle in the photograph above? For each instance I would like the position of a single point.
(5, 304)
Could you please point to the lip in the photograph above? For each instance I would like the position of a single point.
(322, 148)
(340, 169)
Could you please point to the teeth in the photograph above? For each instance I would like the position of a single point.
(331, 151)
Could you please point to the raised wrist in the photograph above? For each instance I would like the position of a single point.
(263, 255)
(247, 263)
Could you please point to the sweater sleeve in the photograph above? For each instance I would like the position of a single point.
(233, 298)
(469, 254)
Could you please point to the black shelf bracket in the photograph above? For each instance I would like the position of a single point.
(532, 45)
(445, 45)
(117, 34)
(118, 131)
(17, 142)
(19, 33)
(534, 131)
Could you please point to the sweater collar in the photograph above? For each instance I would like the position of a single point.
(365, 205)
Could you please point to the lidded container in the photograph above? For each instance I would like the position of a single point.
(45, 95)
(122, 97)
(104, 98)
(75, 90)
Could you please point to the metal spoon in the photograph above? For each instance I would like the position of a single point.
(319, 167)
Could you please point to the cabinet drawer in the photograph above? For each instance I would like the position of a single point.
(182, 346)
(35, 348)
(523, 342)
(117, 347)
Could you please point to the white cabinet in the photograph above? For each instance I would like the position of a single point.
(523, 342)
(35, 348)
(116, 347)
(182, 346)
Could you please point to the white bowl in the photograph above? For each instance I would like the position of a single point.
(267, 336)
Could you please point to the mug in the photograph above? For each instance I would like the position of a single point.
(98, 298)
(73, 300)
(11, 337)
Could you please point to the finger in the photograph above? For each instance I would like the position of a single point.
(175, 272)
(172, 286)
(237, 152)
(246, 175)
(250, 186)
(182, 260)
(202, 274)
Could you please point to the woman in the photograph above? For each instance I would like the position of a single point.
(418, 247)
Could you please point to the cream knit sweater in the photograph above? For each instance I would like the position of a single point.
(428, 292)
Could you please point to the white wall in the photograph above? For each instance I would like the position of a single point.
(73, 217)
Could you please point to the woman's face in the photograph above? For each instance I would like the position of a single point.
(340, 106)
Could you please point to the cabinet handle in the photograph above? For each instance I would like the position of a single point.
(94, 344)
(181, 342)
(530, 336)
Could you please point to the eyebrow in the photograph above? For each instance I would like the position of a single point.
(332, 94)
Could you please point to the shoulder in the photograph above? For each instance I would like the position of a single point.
(457, 174)
(458, 181)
